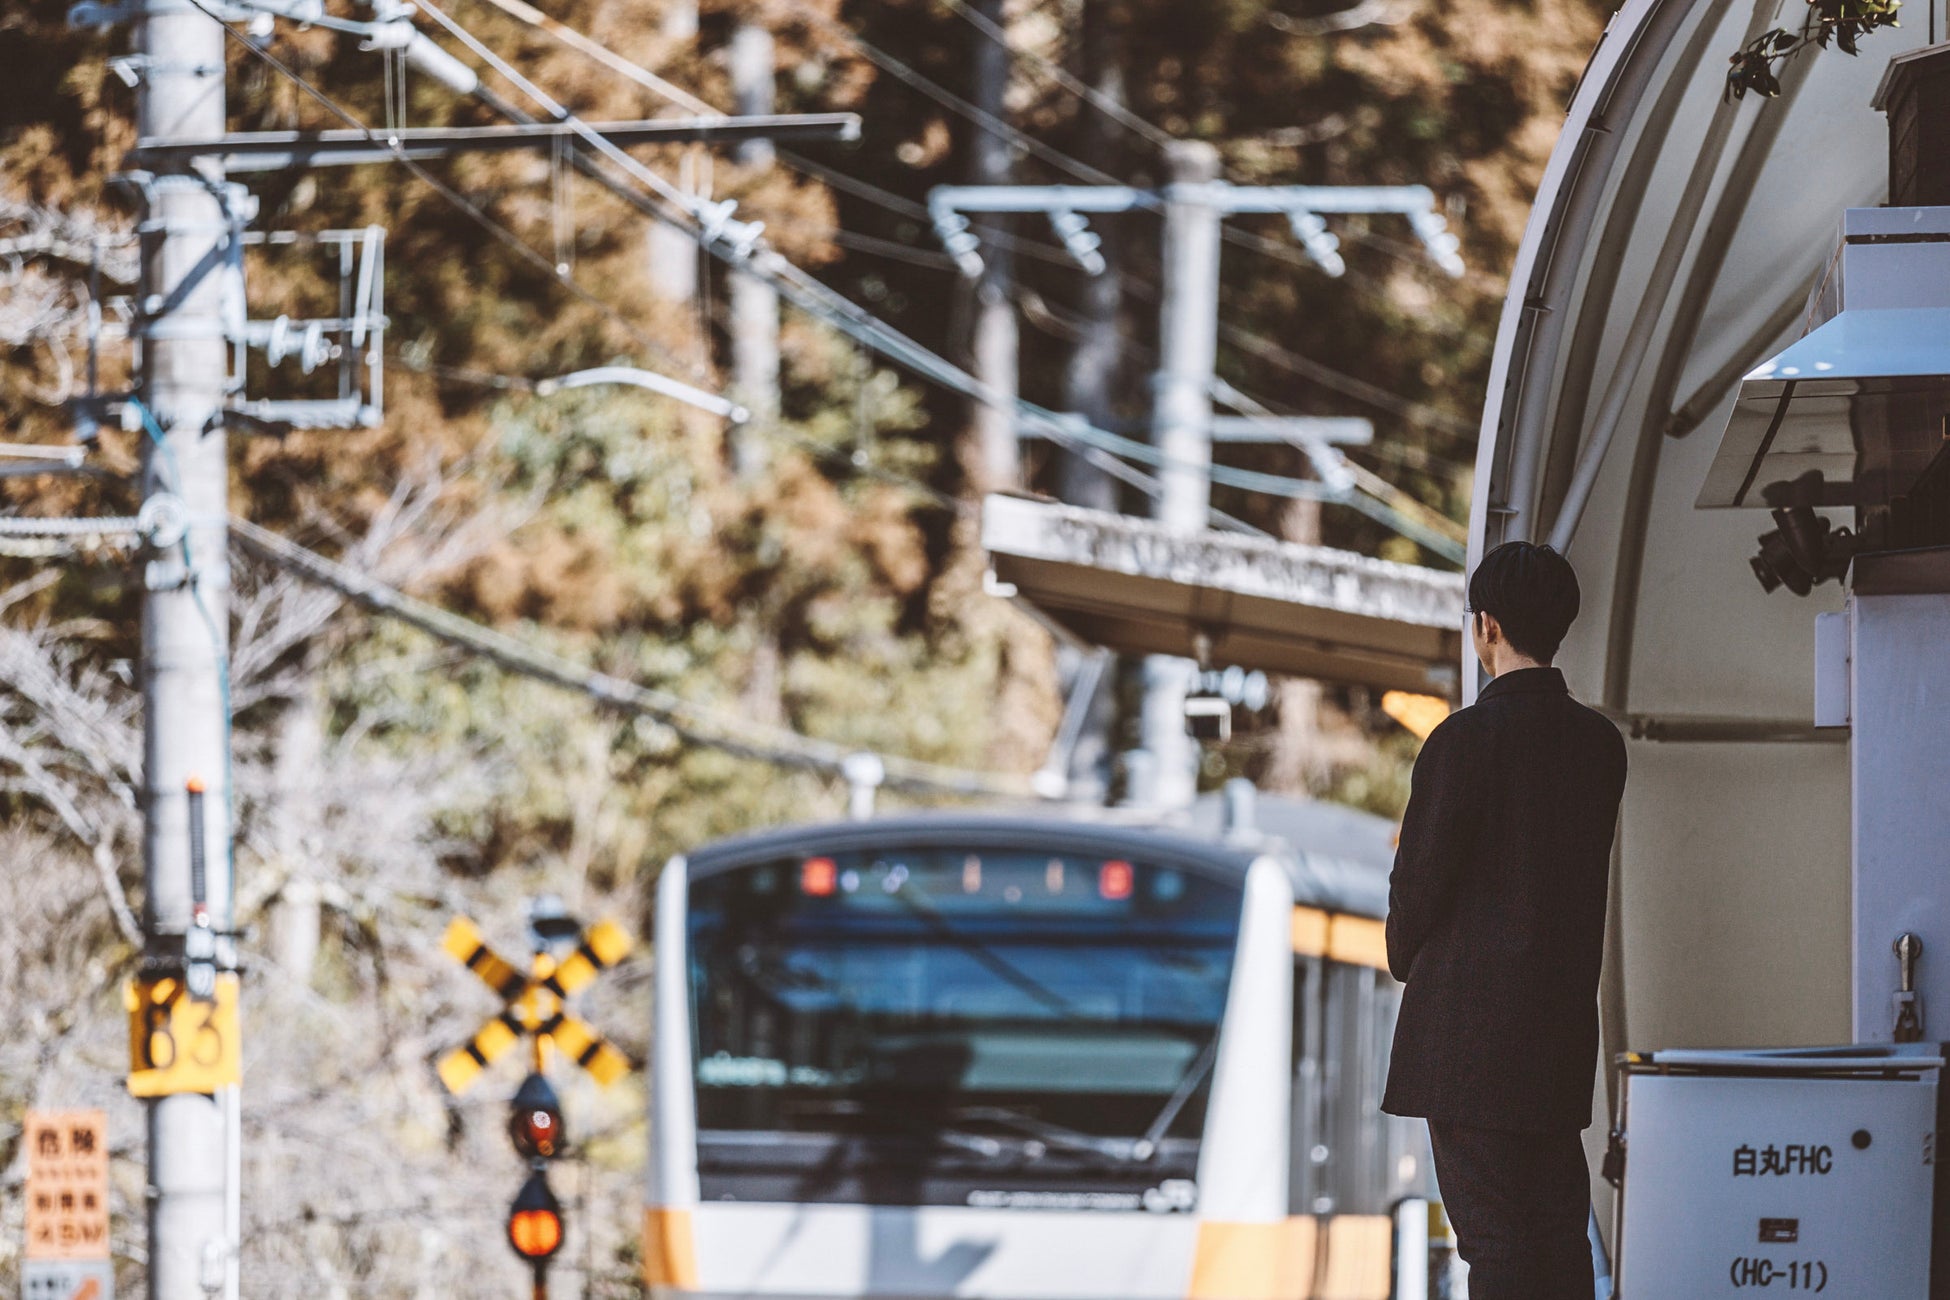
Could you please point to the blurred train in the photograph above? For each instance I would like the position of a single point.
(1020, 1057)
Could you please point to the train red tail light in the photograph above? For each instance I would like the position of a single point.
(1115, 880)
(818, 877)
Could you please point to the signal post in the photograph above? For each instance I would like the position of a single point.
(565, 959)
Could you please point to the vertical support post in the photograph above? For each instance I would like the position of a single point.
(754, 303)
(1898, 768)
(184, 614)
(1092, 376)
(1181, 428)
(673, 255)
(994, 460)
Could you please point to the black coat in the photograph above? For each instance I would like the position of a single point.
(1496, 910)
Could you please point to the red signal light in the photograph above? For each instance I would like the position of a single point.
(539, 1133)
(1115, 880)
(818, 877)
(535, 1120)
(535, 1220)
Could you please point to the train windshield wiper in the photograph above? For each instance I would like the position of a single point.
(1055, 1135)
(973, 1143)
(1147, 1146)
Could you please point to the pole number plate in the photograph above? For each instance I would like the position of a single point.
(177, 1044)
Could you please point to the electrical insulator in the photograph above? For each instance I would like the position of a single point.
(1078, 239)
(535, 1220)
(1442, 244)
(1322, 245)
(951, 228)
(535, 1120)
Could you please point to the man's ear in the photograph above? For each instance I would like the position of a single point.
(1492, 630)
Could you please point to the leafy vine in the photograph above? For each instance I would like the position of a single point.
(1844, 22)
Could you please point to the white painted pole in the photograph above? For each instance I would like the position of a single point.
(994, 462)
(754, 302)
(1181, 428)
(184, 616)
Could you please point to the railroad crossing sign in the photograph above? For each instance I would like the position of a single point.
(535, 1003)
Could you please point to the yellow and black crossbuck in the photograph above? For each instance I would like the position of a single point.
(535, 1004)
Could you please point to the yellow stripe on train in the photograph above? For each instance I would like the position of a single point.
(1284, 1260)
(1356, 940)
(669, 1250)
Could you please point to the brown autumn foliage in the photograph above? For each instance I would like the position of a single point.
(385, 782)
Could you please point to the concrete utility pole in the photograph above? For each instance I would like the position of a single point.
(754, 302)
(1090, 379)
(1188, 345)
(188, 231)
(672, 252)
(996, 459)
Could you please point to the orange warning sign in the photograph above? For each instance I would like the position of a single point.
(67, 1184)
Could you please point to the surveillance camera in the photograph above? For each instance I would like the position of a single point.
(1802, 551)
(1208, 717)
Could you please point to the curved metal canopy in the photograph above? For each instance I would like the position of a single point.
(1674, 246)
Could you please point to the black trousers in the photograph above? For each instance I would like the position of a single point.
(1520, 1204)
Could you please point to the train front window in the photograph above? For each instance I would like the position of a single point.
(1058, 997)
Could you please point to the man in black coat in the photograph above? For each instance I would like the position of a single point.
(1496, 921)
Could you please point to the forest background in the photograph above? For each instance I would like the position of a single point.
(824, 578)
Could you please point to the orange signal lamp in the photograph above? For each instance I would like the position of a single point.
(535, 1220)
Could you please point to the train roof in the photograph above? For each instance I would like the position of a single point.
(1338, 858)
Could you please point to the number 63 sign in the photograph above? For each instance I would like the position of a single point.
(177, 1044)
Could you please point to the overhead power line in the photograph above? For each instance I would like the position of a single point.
(602, 54)
(838, 310)
(1103, 103)
(473, 211)
(1101, 447)
(695, 723)
(1261, 347)
(800, 288)
(1327, 377)
(948, 99)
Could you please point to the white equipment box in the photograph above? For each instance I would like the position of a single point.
(1758, 1173)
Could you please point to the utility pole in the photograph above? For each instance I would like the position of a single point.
(672, 253)
(754, 302)
(1188, 343)
(1091, 376)
(192, 314)
(995, 460)
(189, 270)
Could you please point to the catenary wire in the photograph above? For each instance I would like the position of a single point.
(1103, 103)
(695, 723)
(787, 276)
(822, 301)
(812, 295)
(1265, 349)
(851, 460)
(460, 201)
